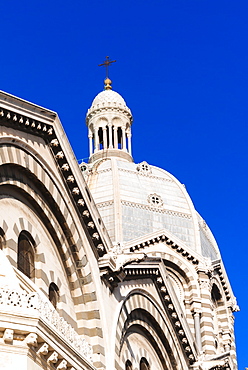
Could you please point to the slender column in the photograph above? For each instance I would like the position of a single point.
(129, 143)
(115, 138)
(96, 139)
(123, 139)
(110, 137)
(90, 142)
(197, 330)
(105, 142)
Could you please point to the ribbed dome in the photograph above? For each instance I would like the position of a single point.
(109, 97)
(149, 200)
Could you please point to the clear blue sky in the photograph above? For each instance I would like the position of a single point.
(182, 69)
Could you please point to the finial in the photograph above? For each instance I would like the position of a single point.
(106, 64)
(107, 84)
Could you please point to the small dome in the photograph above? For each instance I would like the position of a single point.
(109, 97)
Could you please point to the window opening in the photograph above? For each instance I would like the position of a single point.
(25, 255)
(2, 238)
(107, 137)
(144, 365)
(54, 294)
(215, 295)
(155, 200)
(119, 136)
(128, 365)
(144, 168)
(100, 135)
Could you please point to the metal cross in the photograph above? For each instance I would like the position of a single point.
(106, 64)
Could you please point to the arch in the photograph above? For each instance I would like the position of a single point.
(216, 295)
(140, 315)
(128, 365)
(26, 254)
(117, 121)
(30, 177)
(144, 365)
(184, 271)
(101, 122)
(53, 210)
(53, 294)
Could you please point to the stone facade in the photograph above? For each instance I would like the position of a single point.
(106, 265)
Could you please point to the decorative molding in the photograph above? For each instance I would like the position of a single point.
(156, 209)
(102, 171)
(31, 303)
(105, 204)
(146, 207)
(146, 175)
(164, 239)
(44, 350)
(170, 302)
(137, 172)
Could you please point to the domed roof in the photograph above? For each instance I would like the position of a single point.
(109, 97)
(108, 101)
(146, 199)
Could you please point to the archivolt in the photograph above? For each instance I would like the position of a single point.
(140, 311)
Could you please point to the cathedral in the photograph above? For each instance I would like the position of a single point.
(106, 264)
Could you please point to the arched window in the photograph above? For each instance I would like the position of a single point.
(128, 365)
(144, 365)
(25, 257)
(2, 238)
(215, 295)
(53, 294)
(217, 306)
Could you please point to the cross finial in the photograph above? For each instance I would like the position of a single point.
(106, 64)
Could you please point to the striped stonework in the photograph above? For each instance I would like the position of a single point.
(24, 172)
(140, 310)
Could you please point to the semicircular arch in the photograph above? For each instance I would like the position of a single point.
(140, 310)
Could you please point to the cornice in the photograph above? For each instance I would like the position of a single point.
(169, 242)
(107, 108)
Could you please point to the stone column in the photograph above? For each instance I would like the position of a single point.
(96, 137)
(115, 138)
(105, 142)
(90, 142)
(110, 137)
(197, 330)
(123, 138)
(129, 143)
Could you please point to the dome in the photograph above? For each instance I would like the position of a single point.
(109, 97)
(109, 122)
(146, 199)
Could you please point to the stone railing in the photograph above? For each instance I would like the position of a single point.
(32, 304)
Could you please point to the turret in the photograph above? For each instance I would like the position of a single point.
(109, 123)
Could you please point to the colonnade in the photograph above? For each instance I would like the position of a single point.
(109, 137)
